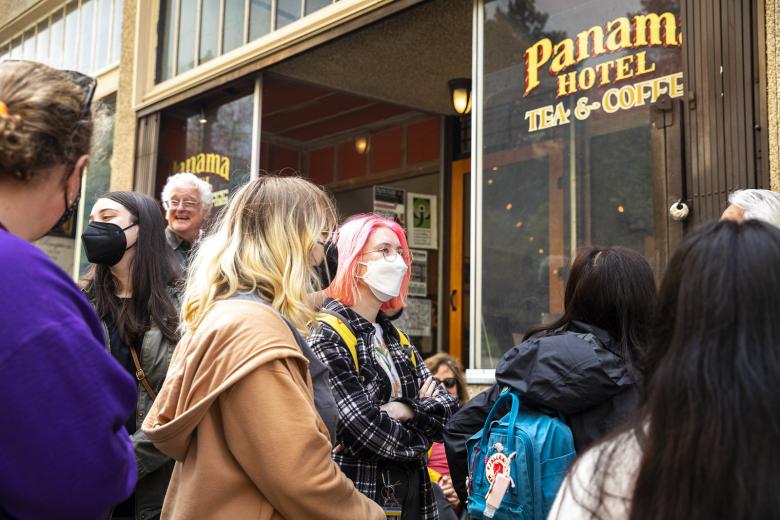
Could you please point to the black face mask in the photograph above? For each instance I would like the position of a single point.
(105, 243)
(329, 265)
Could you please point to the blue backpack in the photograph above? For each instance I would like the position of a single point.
(517, 463)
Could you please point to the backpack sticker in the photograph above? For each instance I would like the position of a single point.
(497, 464)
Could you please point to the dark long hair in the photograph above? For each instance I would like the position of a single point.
(153, 272)
(709, 425)
(612, 288)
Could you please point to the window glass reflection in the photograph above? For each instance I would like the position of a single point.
(86, 26)
(71, 37)
(211, 138)
(316, 5)
(233, 36)
(567, 147)
(117, 31)
(287, 11)
(186, 57)
(103, 47)
(57, 44)
(259, 18)
(42, 44)
(209, 30)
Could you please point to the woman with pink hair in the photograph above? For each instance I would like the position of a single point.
(390, 407)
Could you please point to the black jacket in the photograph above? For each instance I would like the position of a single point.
(575, 371)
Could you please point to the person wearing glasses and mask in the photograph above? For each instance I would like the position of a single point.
(390, 407)
(134, 286)
(187, 201)
(65, 450)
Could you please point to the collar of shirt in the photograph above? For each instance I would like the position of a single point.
(175, 241)
(356, 321)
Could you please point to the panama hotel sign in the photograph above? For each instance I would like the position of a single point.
(635, 34)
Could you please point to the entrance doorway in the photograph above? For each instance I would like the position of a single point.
(364, 116)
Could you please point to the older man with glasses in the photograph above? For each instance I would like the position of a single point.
(187, 201)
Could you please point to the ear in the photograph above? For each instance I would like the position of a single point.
(74, 177)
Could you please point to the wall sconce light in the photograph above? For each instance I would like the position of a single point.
(460, 94)
(361, 144)
(203, 119)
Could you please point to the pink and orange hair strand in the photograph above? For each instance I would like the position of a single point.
(353, 235)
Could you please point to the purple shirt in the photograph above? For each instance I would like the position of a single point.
(64, 450)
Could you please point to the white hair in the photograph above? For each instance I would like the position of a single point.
(204, 188)
(763, 205)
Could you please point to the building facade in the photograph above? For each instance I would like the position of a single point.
(585, 123)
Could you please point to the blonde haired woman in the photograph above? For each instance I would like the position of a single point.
(237, 410)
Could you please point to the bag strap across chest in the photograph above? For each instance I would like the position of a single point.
(347, 334)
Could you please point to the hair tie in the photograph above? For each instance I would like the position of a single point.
(3, 109)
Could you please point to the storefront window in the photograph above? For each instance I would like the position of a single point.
(210, 137)
(178, 19)
(83, 36)
(566, 147)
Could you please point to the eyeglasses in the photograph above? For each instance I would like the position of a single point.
(391, 254)
(88, 84)
(448, 382)
(186, 204)
(327, 236)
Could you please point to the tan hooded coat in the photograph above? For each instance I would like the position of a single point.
(237, 414)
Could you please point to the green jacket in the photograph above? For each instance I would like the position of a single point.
(154, 468)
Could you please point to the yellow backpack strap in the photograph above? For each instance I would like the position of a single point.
(406, 344)
(434, 475)
(344, 332)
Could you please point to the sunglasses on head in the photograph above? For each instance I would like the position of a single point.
(86, 83)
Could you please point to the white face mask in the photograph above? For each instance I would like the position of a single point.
(385, 278)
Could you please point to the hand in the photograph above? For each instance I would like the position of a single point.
(398, 411)
(428, 388)
(449, 491)
(338, 449)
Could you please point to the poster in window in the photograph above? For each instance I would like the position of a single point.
(389, 202)
(418, 281)
(416, 318)
(421, 216)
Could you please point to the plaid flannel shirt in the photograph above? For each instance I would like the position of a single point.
(369, 435)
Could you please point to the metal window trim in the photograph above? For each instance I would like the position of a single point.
(176, 35)
(246, 22)
(274, 7)
(257, 121)
(198, 22)
(220, 27)
(440, 304)
(475, 295)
